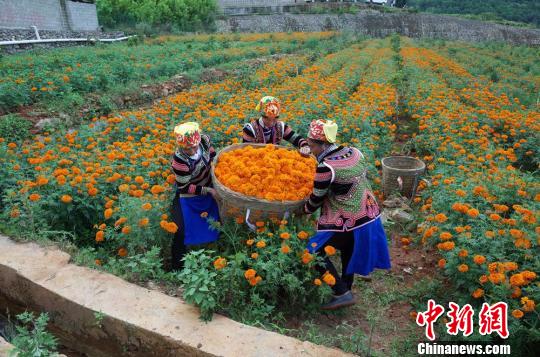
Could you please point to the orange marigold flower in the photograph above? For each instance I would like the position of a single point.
(528, 305)
(34, 197)
(529, 275)
(463, 253)
(254, 255)
(494, 217)
(250, 242)
(473, 212)
(463, 268)
(100, 236)
(122, 252)
(285, 249)
(509, 266)
(329, 250)
(143, 222)
(306, 257)
(97, 262)
(441, 218)
(483, 279)
(250, 273)
(261, 244)
(441, 263)
(478, 293)
(259, 224)
(108, 213)
(66, 199)
(126, 229)
(497, 278)
(446, 246)
(516, 293)
(479, 259)
(518, 314)
(517, 280)
(285, 235)
(302, 235)
(147, 206)
(204, 214)
(220, 263)
(445, 236)
(317, 282)
(329, 279)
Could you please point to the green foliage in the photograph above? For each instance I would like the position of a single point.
(32, 339)
(281, 285)
(14, 128)
(184, 15)
(527, 11)
(138, 267)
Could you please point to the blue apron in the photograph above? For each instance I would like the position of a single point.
(196, 228)
(370, 248)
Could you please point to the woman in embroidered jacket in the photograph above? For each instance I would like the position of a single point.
(350, 217)
(269, 130)
(195, 195)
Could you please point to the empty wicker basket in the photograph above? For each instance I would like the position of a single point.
(233, 204)
(401, 174)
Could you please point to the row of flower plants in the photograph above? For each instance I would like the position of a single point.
(30, 78)
(481, 209)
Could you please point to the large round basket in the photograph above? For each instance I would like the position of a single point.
(234, 204)
(401, 175)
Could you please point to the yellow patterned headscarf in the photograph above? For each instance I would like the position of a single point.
(323, 130)
(188, 134)
(269, 106)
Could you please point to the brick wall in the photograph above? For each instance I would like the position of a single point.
(57, 15)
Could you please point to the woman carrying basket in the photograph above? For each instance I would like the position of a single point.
(269, 130)
(350, 218)
(195, 196)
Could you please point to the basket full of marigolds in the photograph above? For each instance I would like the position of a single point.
(269, 180)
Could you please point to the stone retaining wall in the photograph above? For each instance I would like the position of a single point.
(377, 24)
(136, 322)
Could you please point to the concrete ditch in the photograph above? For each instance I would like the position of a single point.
(136, 322)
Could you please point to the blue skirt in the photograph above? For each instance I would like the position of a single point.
(370, 248)
(196, 228)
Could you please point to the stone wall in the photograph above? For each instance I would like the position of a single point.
(82, 16)
(248, 3)
(57, 15)
(45, 14)
(377, 24)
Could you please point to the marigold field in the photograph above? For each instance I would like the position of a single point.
(103, 189)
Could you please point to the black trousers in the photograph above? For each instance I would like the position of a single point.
(344, 242)
(178, 248)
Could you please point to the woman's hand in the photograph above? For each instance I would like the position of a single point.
(304, 150)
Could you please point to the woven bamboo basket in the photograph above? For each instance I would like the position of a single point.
(234, 204)
(401, 174)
